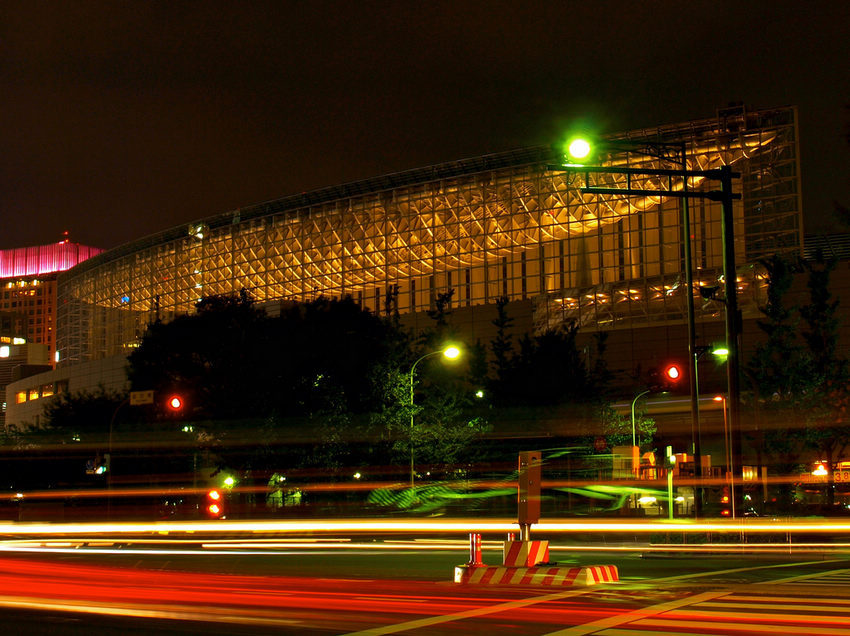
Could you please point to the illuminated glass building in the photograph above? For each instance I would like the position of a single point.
(28, 310)
(502, 225)
(28, 286)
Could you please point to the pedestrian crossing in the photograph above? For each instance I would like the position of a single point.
(794, 606)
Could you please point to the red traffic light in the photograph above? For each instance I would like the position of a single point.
(215, 505)
(175, 403)
(672, 372)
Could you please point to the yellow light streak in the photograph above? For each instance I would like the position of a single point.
(424, 527)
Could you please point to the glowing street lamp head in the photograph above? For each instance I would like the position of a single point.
(451, 352)
(175, 403)
(720, 352)
(578, 148)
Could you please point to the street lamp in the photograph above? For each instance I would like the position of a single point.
(637, 397)
(450, 353)
(675, 183)
(720, 353)
(578, 148)
(727, 439)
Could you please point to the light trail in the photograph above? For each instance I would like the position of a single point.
(318, 547)
(421, 527)
(368, 486)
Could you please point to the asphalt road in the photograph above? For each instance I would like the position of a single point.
(310, 589)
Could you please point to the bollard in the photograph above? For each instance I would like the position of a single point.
(475, 549)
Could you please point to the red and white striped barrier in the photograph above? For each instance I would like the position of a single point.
(525, 554)
(539, 575)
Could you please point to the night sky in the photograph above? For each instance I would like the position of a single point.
(121, 119)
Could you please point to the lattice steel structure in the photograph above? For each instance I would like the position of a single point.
(493, 226)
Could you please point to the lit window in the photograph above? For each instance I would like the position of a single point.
(19, 341)
(20, 397)
(4, 351)
(47, 390)
(33, 394)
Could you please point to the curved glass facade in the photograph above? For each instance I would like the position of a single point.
(493, 226)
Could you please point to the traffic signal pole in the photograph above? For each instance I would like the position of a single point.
(693, 358)
(733, 333)
(668, 178)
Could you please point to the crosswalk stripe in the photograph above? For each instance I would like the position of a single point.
(824, 600)
(842, 576)
(812, 620)
(642, 632)
(770, 604)
(726, 627)
(726, 611)
(822, 583)
(622, 619)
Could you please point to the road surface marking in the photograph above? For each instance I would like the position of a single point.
(774, 617)
(643, 632)
(841, 576)
(715, 615)
(732, 571)
(492, 609)
(823, 600)
(478, 611)
(172, 612)
(635, 615)
(785, 630)
(769, 603)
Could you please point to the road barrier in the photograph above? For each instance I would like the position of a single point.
(537, 575)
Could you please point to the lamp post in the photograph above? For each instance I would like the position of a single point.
(727, 443)
(450, 353)
(637, 397)
(699, 352)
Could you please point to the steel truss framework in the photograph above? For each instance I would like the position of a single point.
(495, 226)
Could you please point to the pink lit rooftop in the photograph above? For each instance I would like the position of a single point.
(43, 259)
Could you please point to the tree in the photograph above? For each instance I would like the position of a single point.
(83, 416)
(776, 374)
(827, 397)
(253, 383)
(549, 369)
(801, 382)
(448, 417)
(502, 345)
(217, 359)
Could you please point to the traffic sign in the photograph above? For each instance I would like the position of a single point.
(141, 397)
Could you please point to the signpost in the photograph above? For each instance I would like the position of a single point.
(137, 398)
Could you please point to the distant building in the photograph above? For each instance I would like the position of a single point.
(28, 307)
(495, 226)
(504, 225)
(28, 285)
